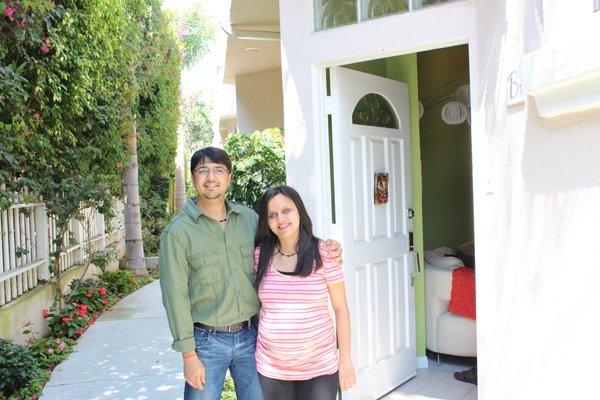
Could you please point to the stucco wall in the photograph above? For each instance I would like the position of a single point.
(259, 100)
(537, 194)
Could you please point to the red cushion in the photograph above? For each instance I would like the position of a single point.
(462, 297)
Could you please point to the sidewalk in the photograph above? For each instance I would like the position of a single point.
(125, 355)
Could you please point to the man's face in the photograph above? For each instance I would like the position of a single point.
(211, 180)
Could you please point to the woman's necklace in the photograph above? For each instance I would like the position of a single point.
(287, 255)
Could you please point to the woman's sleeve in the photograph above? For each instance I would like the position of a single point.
(256, 257)
(333, 274)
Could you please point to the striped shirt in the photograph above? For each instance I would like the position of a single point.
(296, 334)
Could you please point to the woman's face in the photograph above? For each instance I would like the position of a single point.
(284, 219)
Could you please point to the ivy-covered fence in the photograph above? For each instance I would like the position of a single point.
(75, 76)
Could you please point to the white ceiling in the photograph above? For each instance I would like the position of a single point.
(242, 54)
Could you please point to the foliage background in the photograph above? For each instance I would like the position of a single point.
(74, 78)
(258, 162)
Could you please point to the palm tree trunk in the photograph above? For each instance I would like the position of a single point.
(180, 195)
(134, 245)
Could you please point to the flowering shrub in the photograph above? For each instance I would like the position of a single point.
(87, 300)
(49, 352)
(92, 294)
(70, 321)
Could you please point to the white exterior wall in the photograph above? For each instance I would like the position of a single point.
(259, 100)
(536, 182)
(537, 197)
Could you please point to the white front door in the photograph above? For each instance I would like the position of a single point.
(371, 135)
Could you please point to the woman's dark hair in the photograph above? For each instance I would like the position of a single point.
(308, 244)
(210, 154)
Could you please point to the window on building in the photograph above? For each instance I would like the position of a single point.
(332, 13)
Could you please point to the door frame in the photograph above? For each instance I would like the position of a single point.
(322, 106)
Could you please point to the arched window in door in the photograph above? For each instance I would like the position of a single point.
(374, 110)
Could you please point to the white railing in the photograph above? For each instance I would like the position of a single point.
(26, 243)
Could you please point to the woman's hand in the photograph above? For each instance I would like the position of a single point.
(334, 252)
(347, 374)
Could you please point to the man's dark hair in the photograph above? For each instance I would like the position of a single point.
(308, 244)
(210, 154)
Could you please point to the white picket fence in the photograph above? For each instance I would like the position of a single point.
(27, 234)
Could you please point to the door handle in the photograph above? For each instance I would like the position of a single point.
(411, 249)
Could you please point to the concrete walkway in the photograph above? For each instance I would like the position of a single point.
(126, 355)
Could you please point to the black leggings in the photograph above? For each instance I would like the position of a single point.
(320, 388)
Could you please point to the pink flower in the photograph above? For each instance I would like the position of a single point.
(44, 310)
(102, 291)
(79, 331)
(46, 46)
(49, 350)
(36, 115)
(91, 321)
(104, 301)
(9, 11)
(22, 23)
(66, 320)
(81, 312)
(60, 345)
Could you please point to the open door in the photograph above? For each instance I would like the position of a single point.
(371, 138)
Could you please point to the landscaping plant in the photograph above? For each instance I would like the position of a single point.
(258, 161)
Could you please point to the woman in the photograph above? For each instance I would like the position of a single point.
(296, 351)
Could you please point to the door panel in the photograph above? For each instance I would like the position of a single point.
(375, 237)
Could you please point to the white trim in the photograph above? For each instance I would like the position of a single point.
(321, 151)
(20, 270)
(422, 362)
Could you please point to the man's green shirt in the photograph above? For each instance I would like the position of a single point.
(207, 272)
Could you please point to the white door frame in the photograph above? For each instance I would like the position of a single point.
(323, 107)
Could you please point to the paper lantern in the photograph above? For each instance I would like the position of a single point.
(463, 95)
(454, 113)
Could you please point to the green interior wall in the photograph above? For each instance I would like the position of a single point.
(445, 150)
(405, 69)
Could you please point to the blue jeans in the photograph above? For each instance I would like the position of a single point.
(220, 351)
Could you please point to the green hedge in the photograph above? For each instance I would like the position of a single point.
(258, 161)
(75, 75)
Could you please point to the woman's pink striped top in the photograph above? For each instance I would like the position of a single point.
(296, 335)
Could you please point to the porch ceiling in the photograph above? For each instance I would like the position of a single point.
(245, 56)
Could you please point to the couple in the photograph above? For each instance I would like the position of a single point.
(210, 272)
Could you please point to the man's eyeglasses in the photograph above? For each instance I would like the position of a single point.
(217, 171)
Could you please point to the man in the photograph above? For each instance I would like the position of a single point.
(207, 282)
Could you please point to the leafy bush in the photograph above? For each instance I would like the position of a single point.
(16, 367)
(228, 392)
(49, 352)
(120, 282)
(91, 293)
(70, 321)
(258, 162)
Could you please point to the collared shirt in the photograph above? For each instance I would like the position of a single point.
(206, 272)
